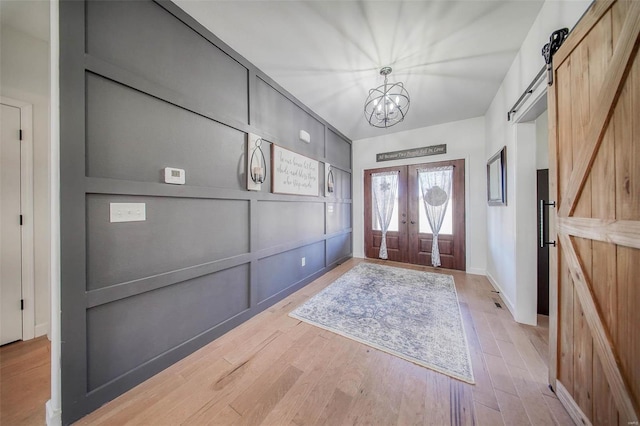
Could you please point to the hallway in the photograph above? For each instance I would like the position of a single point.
(25, 382)
(275, 370)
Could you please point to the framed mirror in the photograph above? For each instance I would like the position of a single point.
(497, 179)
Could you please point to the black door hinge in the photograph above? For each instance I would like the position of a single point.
(21, 220)
(20, 135)
(22, 304)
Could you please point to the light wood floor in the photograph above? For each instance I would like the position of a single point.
(25, 382)
(274, 370)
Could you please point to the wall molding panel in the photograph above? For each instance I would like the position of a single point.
(143, 87)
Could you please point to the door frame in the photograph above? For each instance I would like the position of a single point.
(459, 180)
(403, 235)
(472, 202)
(409, 233)
(26, 208)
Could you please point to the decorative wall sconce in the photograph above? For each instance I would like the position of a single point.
(329, 178)
(256, 164)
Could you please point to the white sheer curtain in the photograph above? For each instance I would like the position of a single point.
(435, 184)
(384, 187)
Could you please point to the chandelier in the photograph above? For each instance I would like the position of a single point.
(387, 104)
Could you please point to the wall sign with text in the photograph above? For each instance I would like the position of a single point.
(293, 173)
(411, 153)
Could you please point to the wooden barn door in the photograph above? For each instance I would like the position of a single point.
(594, 116)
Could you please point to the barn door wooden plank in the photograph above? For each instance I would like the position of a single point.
(601, 338)
(628, 296)
(608, 95)
(591, 17)
(628, 195)
(553, 254)
(600, 44)
(626, 172)
(621, 232)
(563, 170)
(581, 113)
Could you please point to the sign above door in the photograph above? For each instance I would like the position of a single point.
(411, 153)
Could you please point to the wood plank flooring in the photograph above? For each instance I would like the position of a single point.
(275, 370)
(25, 382)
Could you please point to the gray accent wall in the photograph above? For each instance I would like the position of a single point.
(143, 86)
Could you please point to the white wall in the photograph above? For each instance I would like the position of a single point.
(464, 139)
(511, 228)
(24, 76)
(542, 141)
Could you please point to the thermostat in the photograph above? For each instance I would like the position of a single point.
(174, 176)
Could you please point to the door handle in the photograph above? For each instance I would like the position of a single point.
(543, 220)
(404, 221)
(413, 222)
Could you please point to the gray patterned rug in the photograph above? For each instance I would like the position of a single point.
(412, 314)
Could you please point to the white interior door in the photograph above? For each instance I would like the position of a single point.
(10, 232)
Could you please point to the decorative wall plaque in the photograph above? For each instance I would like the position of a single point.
(293, 173)
(411, 153)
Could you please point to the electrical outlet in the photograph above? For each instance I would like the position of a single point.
(303, 261)
(127, 212)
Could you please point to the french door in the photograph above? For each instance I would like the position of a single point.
(409, 236)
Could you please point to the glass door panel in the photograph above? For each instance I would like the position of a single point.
(396, 237)
(423, 222)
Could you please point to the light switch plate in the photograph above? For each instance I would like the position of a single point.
(127, 212)
(305, 136)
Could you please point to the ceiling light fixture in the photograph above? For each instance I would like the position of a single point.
(387, 104)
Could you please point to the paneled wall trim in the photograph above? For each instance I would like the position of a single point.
(144, 86)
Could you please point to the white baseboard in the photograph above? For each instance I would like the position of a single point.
(42, 329)
(570, 405)
(476, 271)
(503, 296)
(54, 416)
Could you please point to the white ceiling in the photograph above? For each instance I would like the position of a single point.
(451, 55)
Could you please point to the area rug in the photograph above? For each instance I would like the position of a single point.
(411, 314)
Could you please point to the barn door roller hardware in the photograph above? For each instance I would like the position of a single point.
(549, 49)
(555, 41)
